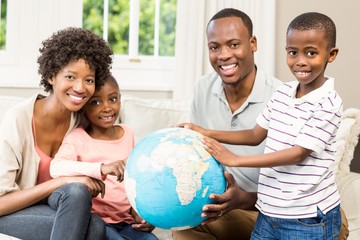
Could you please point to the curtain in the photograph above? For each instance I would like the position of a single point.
(191, 45)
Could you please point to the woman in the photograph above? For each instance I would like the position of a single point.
(73, 62)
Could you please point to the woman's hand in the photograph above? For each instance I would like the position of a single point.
(95, 186)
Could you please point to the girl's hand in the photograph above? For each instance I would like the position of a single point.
(115, 168)
(140, 224)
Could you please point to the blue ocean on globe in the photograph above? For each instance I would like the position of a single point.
(169, 176)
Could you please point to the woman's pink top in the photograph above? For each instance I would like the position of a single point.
(44, 164)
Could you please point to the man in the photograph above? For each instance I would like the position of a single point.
(231, 99)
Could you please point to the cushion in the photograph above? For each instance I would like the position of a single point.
(7, 102)
(147, 115)
(6, 237)
(349, 188)
(346, 140)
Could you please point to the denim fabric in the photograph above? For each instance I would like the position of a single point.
(65, 215)
(323, 226)
(124, 231)
(234, 225)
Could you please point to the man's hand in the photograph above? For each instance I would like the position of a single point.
(234, 197)
(194, 127)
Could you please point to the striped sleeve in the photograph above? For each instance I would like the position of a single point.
(320, 130)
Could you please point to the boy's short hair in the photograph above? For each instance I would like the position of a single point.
(315, 20)
(232, 12)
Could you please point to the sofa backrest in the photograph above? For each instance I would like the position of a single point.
(147, 115)
(6, 102)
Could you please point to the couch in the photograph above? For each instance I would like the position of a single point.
(147, 115)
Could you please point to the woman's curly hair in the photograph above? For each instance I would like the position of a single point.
(71, 44)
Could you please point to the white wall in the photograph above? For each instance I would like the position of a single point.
(343, 69)
(28, 24)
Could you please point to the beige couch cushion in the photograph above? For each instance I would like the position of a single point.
(6, 102)
(346, 140)
(349, 188)
(348, 182)
(147, 115)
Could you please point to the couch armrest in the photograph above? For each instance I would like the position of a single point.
(349, 188)
(6, 102)
(6, 237)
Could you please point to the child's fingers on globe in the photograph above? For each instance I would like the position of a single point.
(121, 177)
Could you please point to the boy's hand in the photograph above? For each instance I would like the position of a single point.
(194, 127)
(219, 151)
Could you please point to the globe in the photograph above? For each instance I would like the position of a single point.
(169, 176)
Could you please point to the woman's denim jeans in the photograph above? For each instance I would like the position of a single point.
(323, 226)
(65, 215)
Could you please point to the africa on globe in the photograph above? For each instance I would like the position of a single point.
(169, 176)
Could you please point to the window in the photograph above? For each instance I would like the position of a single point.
(142, 36)
(2, 24)
(28, 23)
(8, 28)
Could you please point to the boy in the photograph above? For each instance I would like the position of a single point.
(299, 125)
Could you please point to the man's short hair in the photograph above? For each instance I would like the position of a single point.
(232, 12)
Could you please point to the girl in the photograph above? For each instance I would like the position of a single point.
(94, 150)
